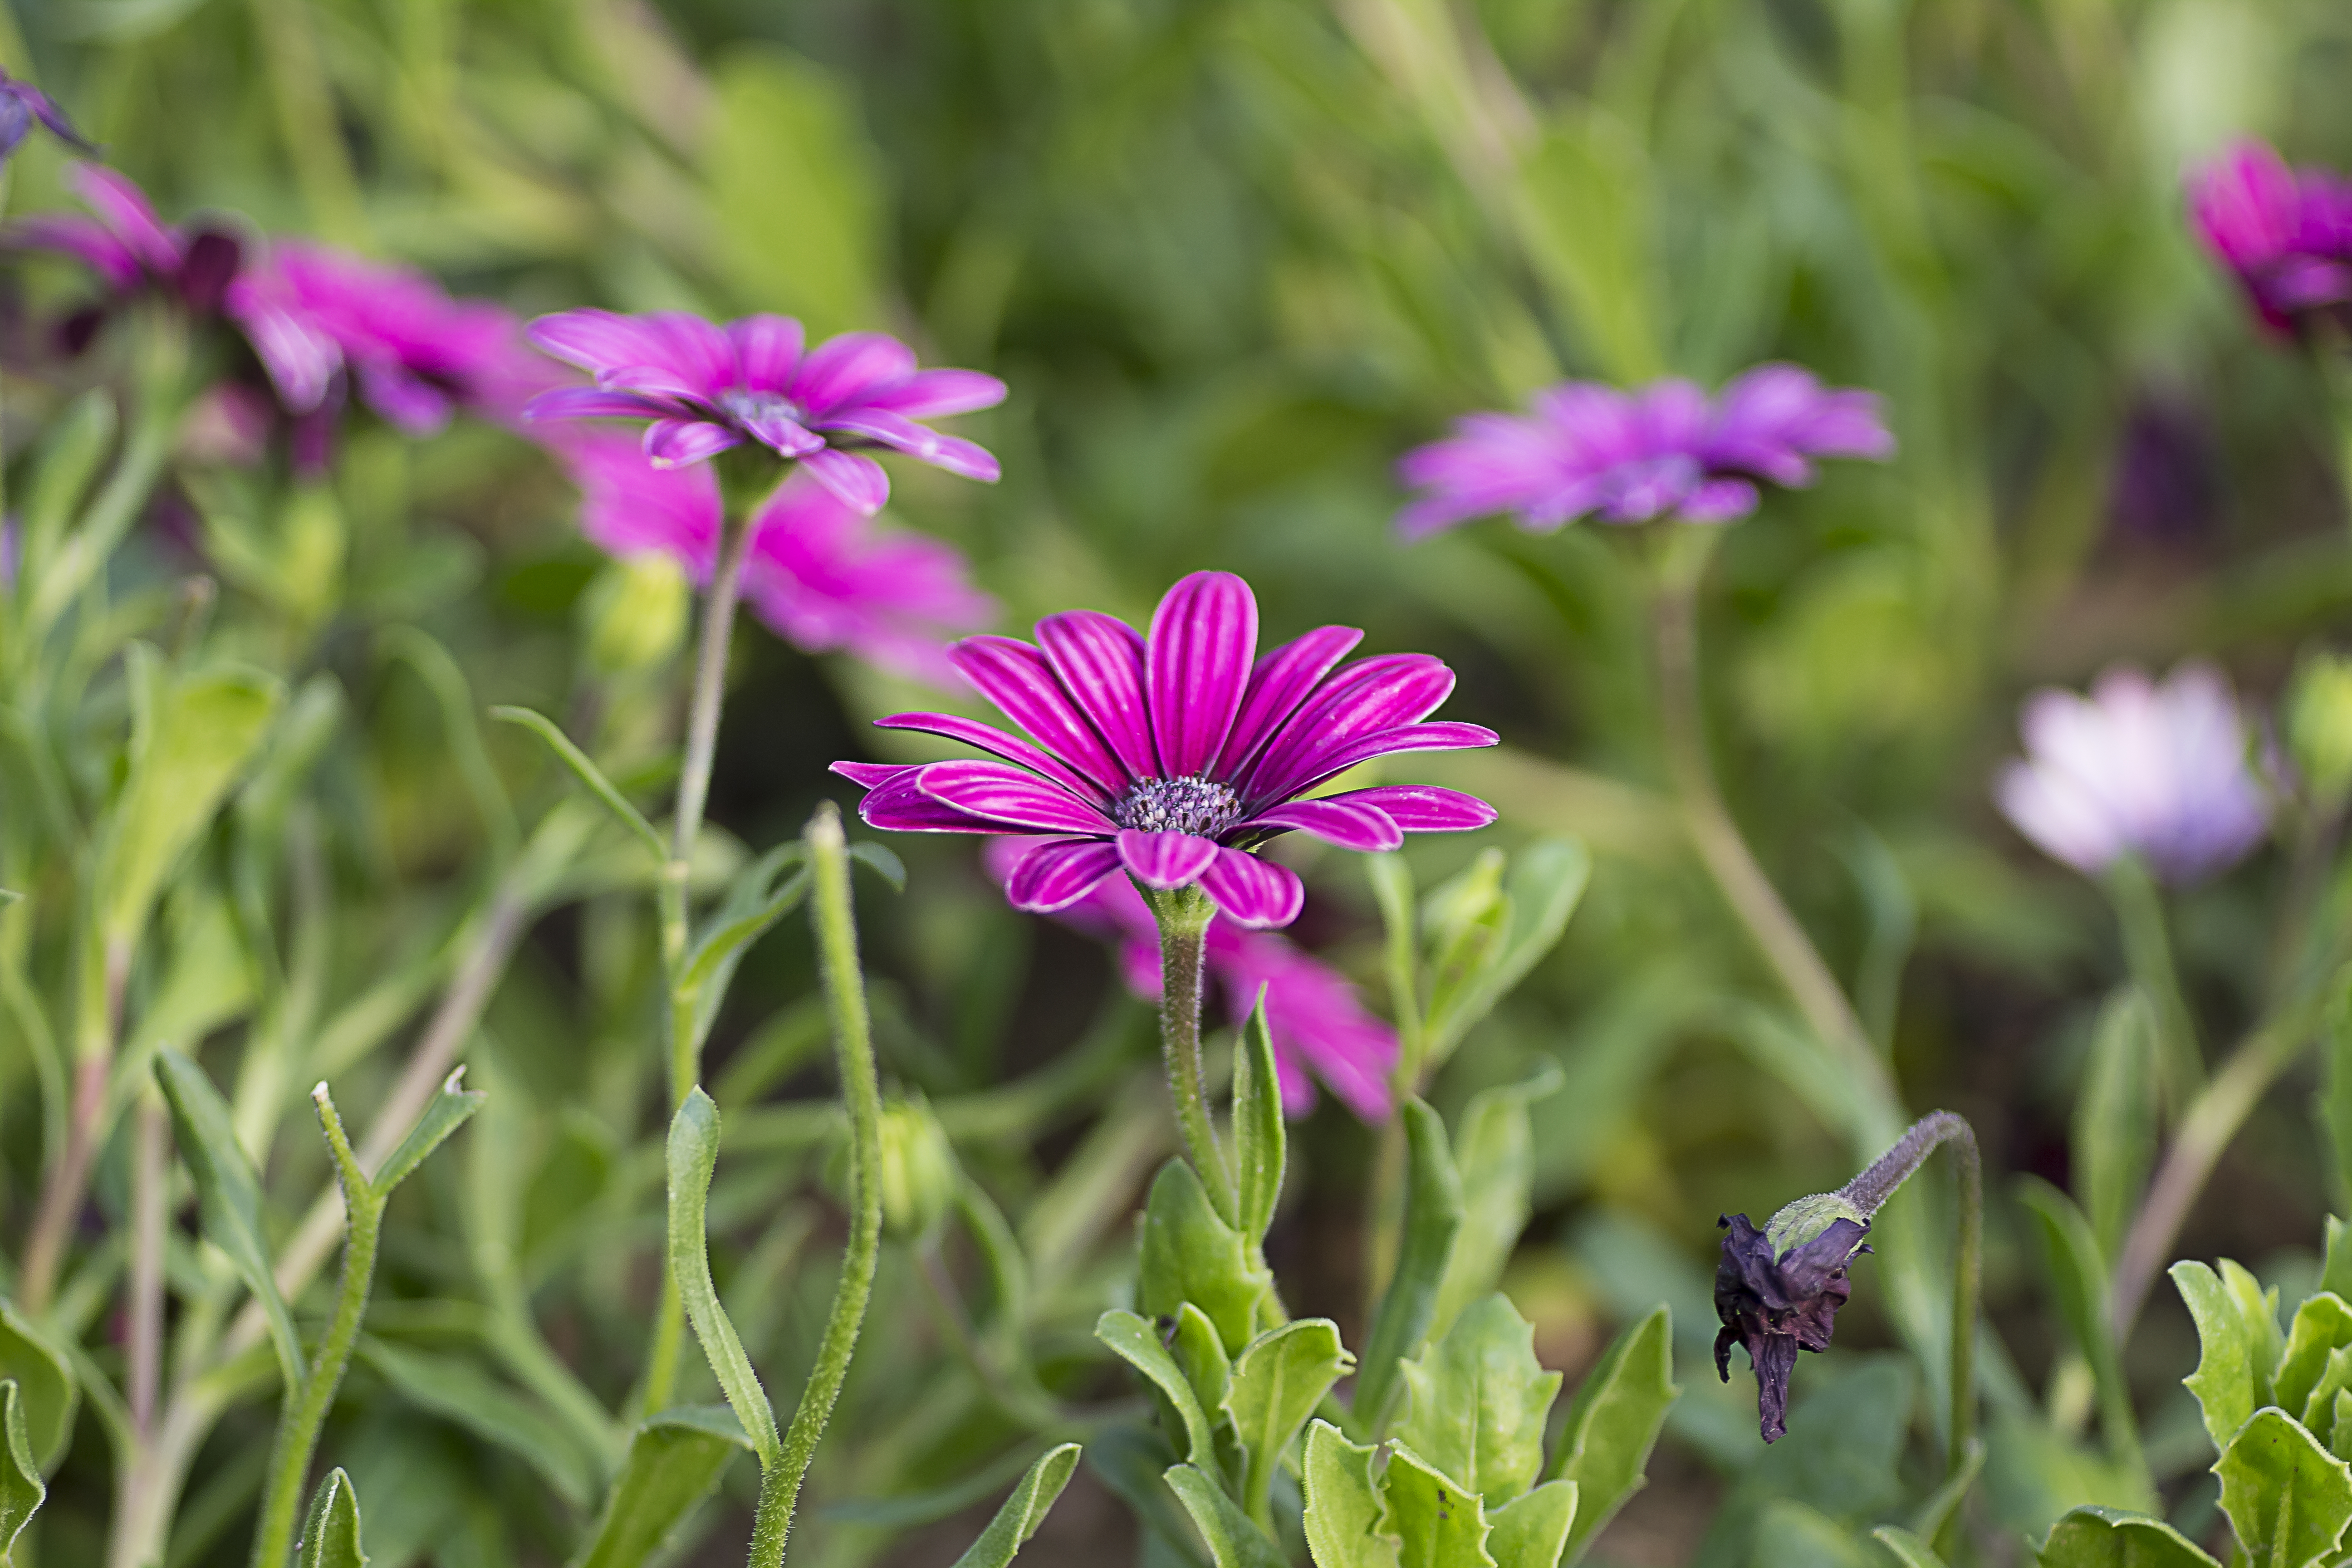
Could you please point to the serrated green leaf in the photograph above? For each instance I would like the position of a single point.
(2322, 1325)
(1190, 1255)
(46, 1388)
(1613, 1420)
(228, 1198)
(2115, 1116)
(2111, 1538)
(1433, 1214)
(1234, 1541)
(1202, 1355)
(447, 1110)
(2223, 1382)
(693, 1155)
(331, 1535)
(1477, 1402)
(1494, 1152)
(2288, 1498)
(1531, 1531)
(589, 775)
(1023, 1512)
(2319, 1407)
(22, 1490)
(2258, 1308)
(457, 1389)
(1436, 1522)
(1135, 1342)
(675, 1459)
(1258, 1130)
(1276, 1385)
(198, 737)
(1907, 1548)
(1343, 1506)
(2079, 1279)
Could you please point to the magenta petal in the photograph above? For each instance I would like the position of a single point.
(1351, 824)
(71, 233)
(1369, 696)
(1020, 681)
(782, 434)
(989, 739)
(1445, 737)
(1278, 683)
(594, 403)
(122, 206)
(767, 349)
(699, 353)
(1098, 659)
(1421, 808)
(873, 775)
(1203, 637)
(935, 393)
(900, 434)
(1165, 860)
(843, 369)
(674, 443)
(858, 480)
(1011, 795)
(1058, 873)
(1253, 892)
(595, 339)
(900, 804)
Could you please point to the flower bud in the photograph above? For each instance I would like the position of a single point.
(2319, 726)
(1778, 1291)
(634, 613)
(919, 1169)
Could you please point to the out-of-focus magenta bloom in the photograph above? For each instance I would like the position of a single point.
(709, 388)
(1668, 450)
(1320, 1029)
(822, 577)
(21, 105)
(132, 249)
(1174, 756)
(2138, 768)
(2286, 234)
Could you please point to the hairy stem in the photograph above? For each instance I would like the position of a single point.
(861, 1090)
(151, 1175)
(104, 970)
(1184, 915)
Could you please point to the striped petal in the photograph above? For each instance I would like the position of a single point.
(1351, 824)
(1421, 808)
(989, 738)
(1253, 892)
(1011, 795)
(1098, 659)
(873, 775)
(1367, 697)
(842, 370)
(1278, 683)
(900, 804)
(1020, 681)
(768, 349)
(595, 402)
(674, 443)
(1058, 873)
(934, 394)
(596, 340)
(900, 434)
(1165, 860)
(1445, 737)
(1203, 636)
(857, 479)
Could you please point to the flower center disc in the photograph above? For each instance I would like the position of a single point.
(749, 407)
(1190, 804)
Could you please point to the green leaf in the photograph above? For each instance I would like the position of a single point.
(1023, 1512)
(1136, 1343)
(674, 1459)
(2336, 1276)
(2322, 1324)
(445, 1112)
(1202, 1355)
(693, 1155)
(1234, 1541)
(1132, 1460)
(2111, 1538)
(2288, 1498)
(331, 1535)
(1436, 1522)
(2079, 1279)
(1343, 1504)
(1908, 1549)
(1546, 881)
(457, 1389)
(1190, 1255)
(71, 449)
(2114, 1117)
(1494, 1152)
(879, 860)
(2335, 1097)
(752, 905)
(2223, 1382)
(45, 1388)
(2319, 1407)
(1479, 1399)
(1276, 1385)
(1927, 1521)
(228, 1198)
(183, 757)
(1258, 1130)
(22, 1490)
(2340, 1441)
(1613, 1419)
(2259, 1310)
(1793, 1534)
(1532, 1530)
(589, 775)
(1433, 1214)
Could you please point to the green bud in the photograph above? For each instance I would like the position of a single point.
(2319, 725)
(634, 614)
(1805, 1219)
(919, 1169)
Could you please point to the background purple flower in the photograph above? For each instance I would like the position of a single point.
(1666, 450)
(1173, 756)
(22, 105)
(2160, 770)
(1321, 1028)
(2286, 235)
(709, 388)
(818, 573)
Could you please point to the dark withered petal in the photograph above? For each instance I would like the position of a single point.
(1776, 1307)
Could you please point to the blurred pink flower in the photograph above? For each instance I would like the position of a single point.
(1665, 450)
(1320, 1029)
(2138, 768)
(2286, 234)
(822, 577)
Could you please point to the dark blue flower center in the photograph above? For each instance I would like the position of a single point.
(747, 407)
(1188, 804)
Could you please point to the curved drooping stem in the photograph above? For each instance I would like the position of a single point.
(1184, 915)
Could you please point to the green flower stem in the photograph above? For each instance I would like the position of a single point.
(861, 1090)
(1184, 915)
(2147, 952)
(304, 1411)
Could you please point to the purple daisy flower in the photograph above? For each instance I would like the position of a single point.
(22, 105)
(709, 388)
(2287, 234)
(1174, 756)
(2138, 768)
(1666, 450)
